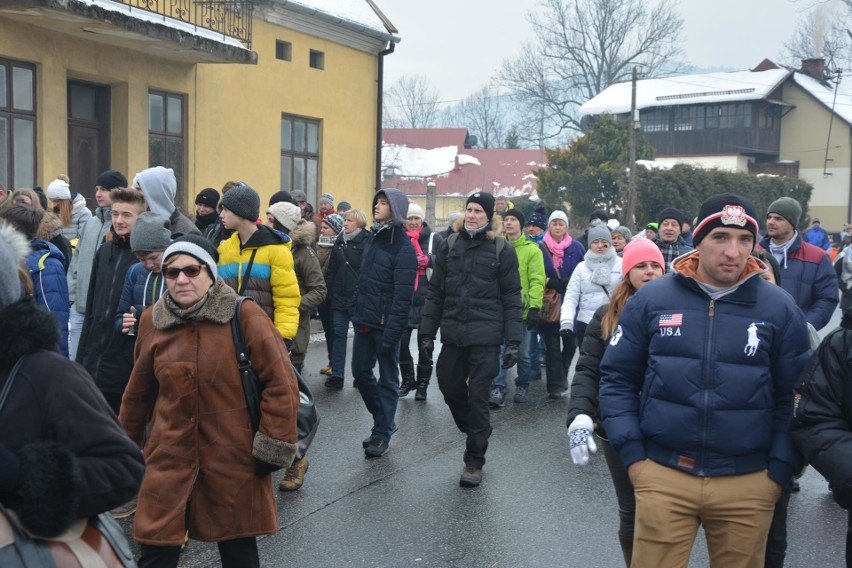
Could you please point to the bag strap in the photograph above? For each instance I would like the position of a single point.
(604, 289)
(550, 256)
(249, 379)
(499, 243)
(247, 275)
(10, 378)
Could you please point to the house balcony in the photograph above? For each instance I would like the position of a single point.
(189, 31)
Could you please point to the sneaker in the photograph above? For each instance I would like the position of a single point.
(294, 477)
(557, 395)
(471, 477)
(366, 441)
(376, 448)
(498, 398)
(334, 383)
(326, 370)
(795, 487)
(521, 395)
(124, 511)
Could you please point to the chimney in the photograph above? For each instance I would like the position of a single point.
(814, 68)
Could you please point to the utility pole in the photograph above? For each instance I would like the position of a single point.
(430, 203)
(631, 176)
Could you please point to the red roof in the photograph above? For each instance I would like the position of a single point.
(502, 172)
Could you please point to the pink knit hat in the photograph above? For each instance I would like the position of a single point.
(641, 250)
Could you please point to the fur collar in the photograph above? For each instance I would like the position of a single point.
(304, 234)
(26, 328)
(219, 308)
(495, 231)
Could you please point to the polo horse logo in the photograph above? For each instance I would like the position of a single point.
(753, 340)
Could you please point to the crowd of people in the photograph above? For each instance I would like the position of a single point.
(694, 337)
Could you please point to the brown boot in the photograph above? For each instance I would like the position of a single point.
(295, 475)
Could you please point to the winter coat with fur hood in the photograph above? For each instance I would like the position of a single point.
(311, 282)
(76, 460)
(272, 282)
(200, 447)
(385, 286)
(474, 296)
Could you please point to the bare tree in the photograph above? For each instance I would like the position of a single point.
(482, 114)
(823, 33)
(411, 102)
(584, 46)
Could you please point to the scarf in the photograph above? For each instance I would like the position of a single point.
(780, 251)
(324, 241)
(557, 250)
(378, 226)
(477, 230)
(190, 313)
(422, 259)
(670, 251)
(600, 265)
(349, 236)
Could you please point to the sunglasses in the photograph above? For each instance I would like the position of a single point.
(191, 271)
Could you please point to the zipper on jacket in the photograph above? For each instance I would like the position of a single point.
(705, 384)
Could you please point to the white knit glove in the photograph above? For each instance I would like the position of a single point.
(581, 440)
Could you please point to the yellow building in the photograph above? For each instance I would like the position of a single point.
(281, 95)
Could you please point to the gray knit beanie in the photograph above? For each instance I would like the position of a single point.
(788, 208)
(599, 232)
(151, 233)
(243, 201)
(14, 248)
(624, 231)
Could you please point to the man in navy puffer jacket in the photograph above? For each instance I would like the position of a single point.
(380, 309)
(696, 392)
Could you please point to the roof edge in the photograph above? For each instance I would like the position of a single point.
(348, 24)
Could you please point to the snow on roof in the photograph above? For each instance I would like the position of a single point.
(825, 94)
(687, 89)
(419, 162)
(354, 11)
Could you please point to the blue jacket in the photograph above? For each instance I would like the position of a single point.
(818, 237)
(705, 386)
(142, 288)
(385, 285)
(572, 257)
(811, 279)
(47, 271)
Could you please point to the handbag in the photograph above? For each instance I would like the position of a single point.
(307, 419)
(97, 542)
(551, 302)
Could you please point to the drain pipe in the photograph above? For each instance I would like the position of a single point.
(379, 108)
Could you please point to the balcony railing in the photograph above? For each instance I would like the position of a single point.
(228, 18)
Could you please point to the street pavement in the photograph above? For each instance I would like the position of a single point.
(534, 507)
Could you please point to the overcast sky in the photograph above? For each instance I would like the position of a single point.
(460, 44)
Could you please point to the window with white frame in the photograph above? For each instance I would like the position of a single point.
(17, 124)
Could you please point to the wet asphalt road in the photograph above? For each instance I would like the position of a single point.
(534, 507)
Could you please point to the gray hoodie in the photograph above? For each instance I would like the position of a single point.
(159, 187)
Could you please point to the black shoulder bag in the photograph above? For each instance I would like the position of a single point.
(308, 417)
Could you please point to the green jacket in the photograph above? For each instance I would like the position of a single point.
(531, 268)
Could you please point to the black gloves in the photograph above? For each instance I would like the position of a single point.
(532, 318)
(566, 332)
(388, 350)
(9, 470)
(510, 355)
(425, 348)
(262, 468)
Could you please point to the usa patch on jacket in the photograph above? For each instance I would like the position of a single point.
(671, 320)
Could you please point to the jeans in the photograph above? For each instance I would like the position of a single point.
(776, 542)
(464, 377)
(536, 349)
(524, 365)
(340, 327)
(75, 327)
(380, 395)
(324, 311)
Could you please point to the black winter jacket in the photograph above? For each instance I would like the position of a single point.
(75, 459)
(822, 409)
(422, 290)
(385, 287)
(106, 353)
(587, 375)
(342, 274)
(473, 296)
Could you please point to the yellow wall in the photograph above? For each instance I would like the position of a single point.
(60, 57)
(803, 137)
(233, 112)
(240, 107)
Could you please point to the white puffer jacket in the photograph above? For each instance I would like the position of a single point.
(589, 296)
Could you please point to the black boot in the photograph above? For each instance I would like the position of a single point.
(424, 373)
(626, 543)
(406, 370)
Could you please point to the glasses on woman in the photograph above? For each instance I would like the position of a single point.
(191, 271)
